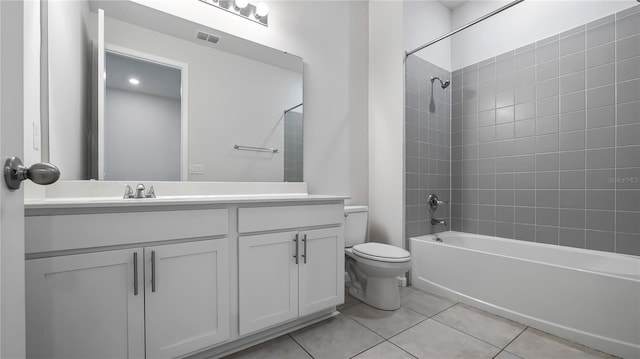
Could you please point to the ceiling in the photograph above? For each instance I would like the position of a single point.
(155, 79)
(452, 4)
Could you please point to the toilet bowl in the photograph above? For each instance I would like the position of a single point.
(372, 268)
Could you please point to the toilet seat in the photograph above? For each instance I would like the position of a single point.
(381, 252)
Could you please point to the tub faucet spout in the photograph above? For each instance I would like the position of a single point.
(435, 222)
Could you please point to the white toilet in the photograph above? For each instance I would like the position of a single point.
(373, 268)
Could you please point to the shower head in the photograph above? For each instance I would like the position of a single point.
(444, 84)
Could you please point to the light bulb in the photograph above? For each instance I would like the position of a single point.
(262, 10)
(241, 4)
(134, 81)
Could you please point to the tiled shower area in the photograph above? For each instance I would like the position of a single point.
(428, 147)
(293, 153)
(542, 143)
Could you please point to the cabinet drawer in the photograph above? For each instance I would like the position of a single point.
(63, 232)
(270, 218)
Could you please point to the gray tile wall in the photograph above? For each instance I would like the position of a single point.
(427, 141)
(546, 140)
(293, 171)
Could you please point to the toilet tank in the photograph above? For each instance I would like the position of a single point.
(355, 225)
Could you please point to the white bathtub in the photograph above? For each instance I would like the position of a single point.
(590, 297)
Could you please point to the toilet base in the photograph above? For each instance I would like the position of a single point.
(375, 282)
(383, 293)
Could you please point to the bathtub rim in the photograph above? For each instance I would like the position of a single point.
(594, 340)
(610, 255)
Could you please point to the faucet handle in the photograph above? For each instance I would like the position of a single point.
(434, 202)
(151, 193)
(128, 192)
(139, 191)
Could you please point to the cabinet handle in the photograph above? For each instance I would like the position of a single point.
(304, 243)
(135, 273)
(295, 239)
(153, 271)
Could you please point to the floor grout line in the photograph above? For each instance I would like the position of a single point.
(300, 345)
(512, 340)
(467, 334)
(422, 319)
(401, 348)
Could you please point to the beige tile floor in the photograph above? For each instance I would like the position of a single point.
(426, 326)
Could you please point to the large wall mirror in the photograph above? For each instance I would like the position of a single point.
(137, 94)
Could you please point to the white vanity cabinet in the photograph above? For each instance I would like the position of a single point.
(179, 280)
(288, 274)
(268, 278)
(154, 299)
(174, 298)
(85, 306)
(186, 297)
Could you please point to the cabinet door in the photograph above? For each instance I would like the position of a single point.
(85, 306)
(187, 297)
(268, 280)
(321, 269)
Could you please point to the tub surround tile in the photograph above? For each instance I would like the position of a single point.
(337, 337)
(490, 328)
(443, 342)
(628, 243)
(385, 323)
(559, 115)
(534, 344)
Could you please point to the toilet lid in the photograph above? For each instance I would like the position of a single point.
(381, 252)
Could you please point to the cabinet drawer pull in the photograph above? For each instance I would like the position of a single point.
(295, 239)
(135, 273)
(153, 271)
(304, 243)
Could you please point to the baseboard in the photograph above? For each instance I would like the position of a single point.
(239, 344)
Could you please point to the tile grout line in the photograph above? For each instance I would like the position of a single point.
(505, 347)
(401, 348)
(472, 336)
(300, 345)
(422, 321)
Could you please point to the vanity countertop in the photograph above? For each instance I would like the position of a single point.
(112, 202)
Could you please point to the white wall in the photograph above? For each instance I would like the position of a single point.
(232, 100)
(332, 38)
(520, 25)
(425, 21)
(386, 122)
(31, 79)
(69, 59)
(142, 137)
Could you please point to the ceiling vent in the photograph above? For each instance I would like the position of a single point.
(201, 35)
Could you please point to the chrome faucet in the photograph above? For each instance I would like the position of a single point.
(140, 192)
(434, 202)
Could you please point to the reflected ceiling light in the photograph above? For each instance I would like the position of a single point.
(134, 81)
(240, 4)
(243, 8)
(262, 10)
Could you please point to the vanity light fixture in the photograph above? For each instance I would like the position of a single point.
(262, 10)
(134, 81)
(257, 13)
(240, 4)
